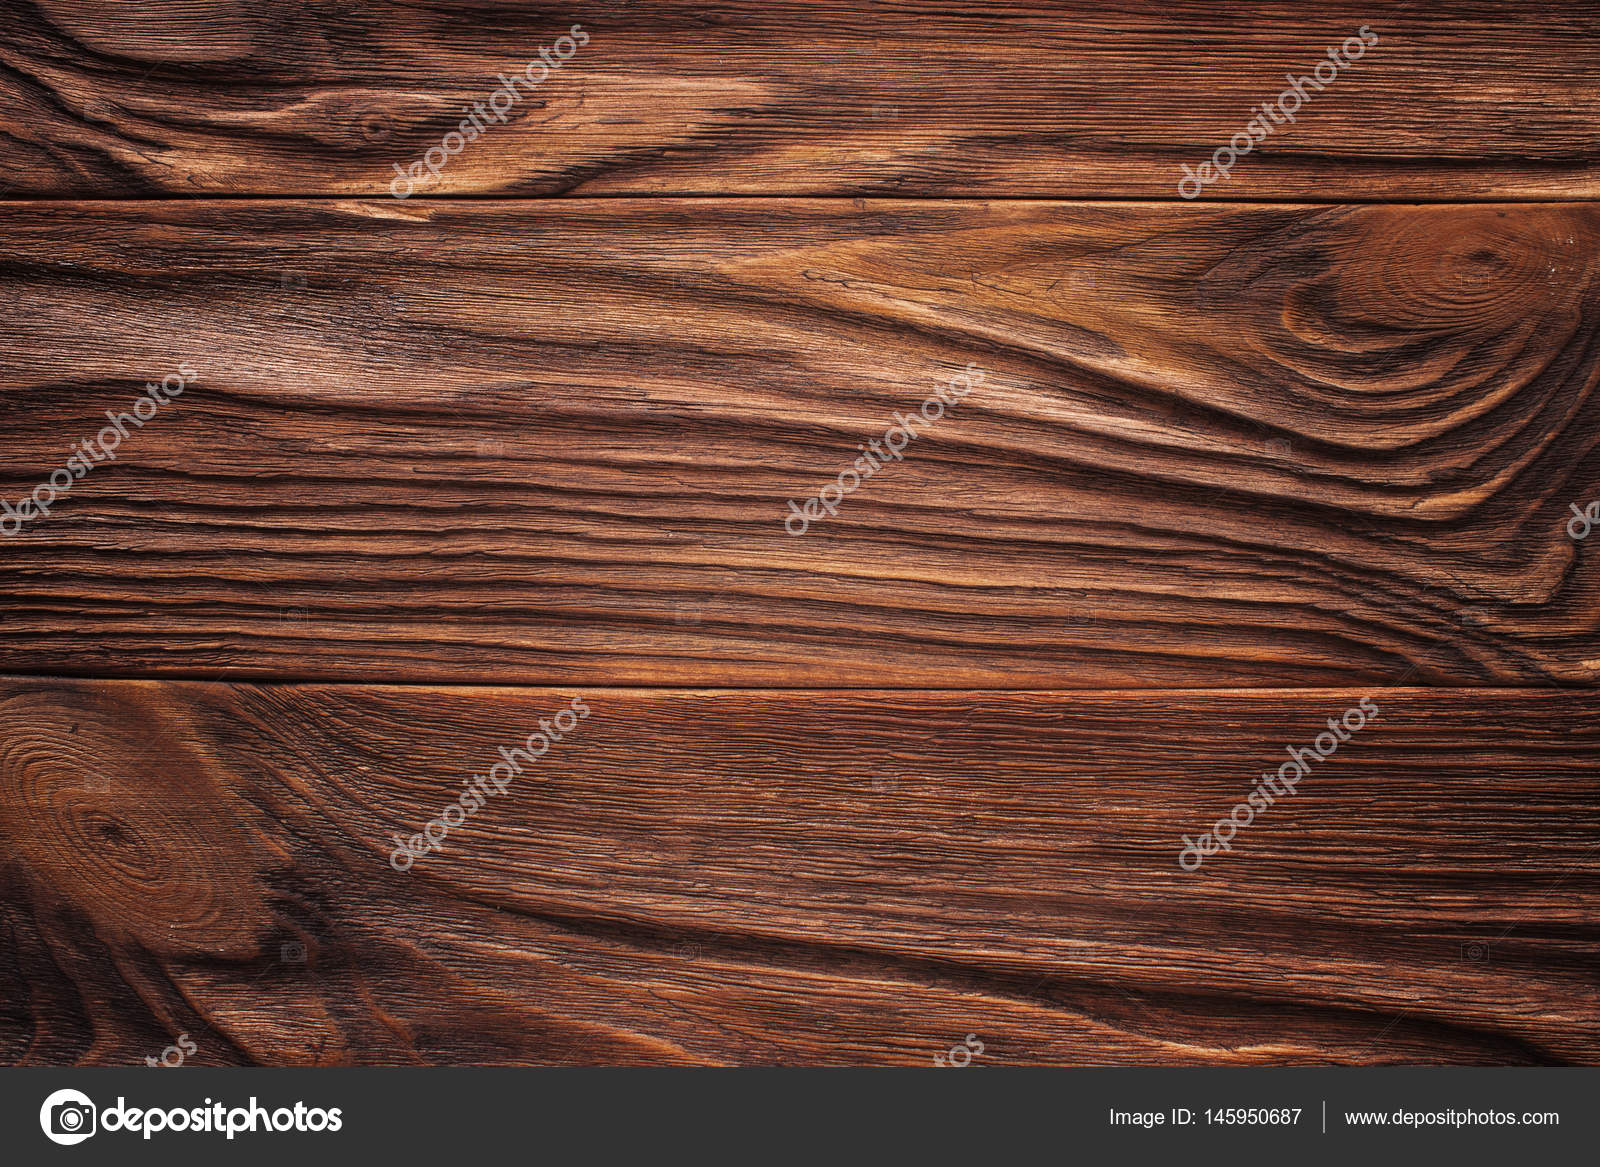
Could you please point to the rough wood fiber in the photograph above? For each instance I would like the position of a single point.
(548, 443)
(1248, 442)
(1090, 99)
(712, 877)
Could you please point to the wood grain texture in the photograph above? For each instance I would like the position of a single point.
(846, 798)
(220, 97)
(554, 443)
(736, 877)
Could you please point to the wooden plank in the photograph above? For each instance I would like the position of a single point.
(724, 876)
(1457, 99)
(556, 443)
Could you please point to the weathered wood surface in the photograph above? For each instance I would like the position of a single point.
(536, 443)
(738, 877)
(923, 772)
(219, 97)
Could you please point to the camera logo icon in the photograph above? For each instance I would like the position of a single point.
(67, 1117)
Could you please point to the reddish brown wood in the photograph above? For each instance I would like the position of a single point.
(811, 877)
(1458, 99)
(539, 442)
